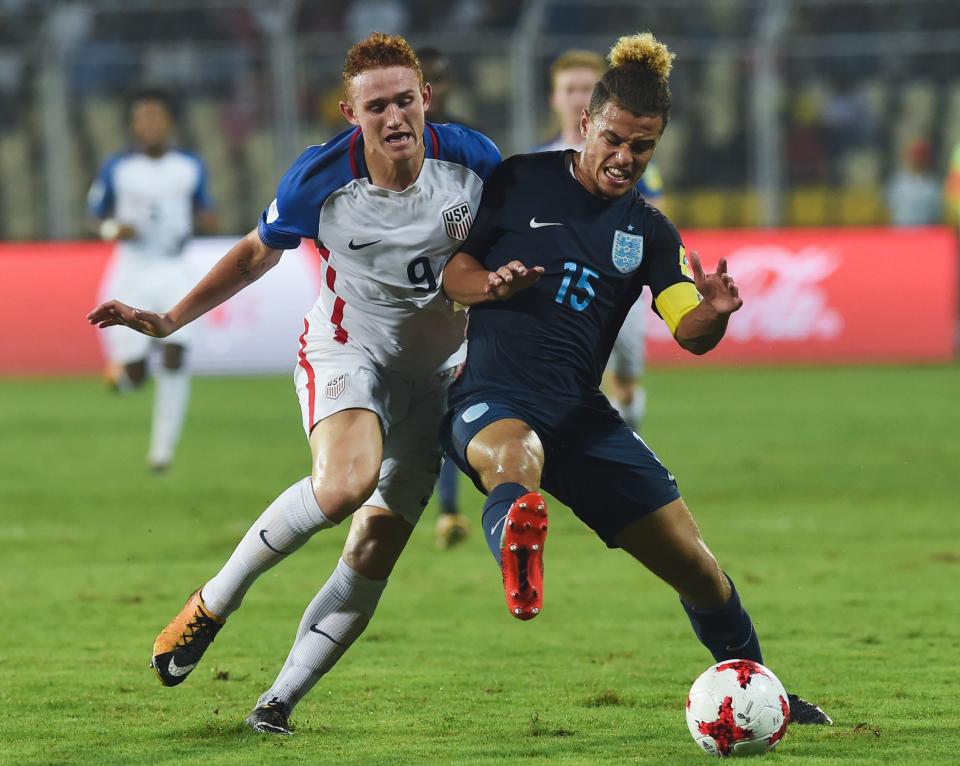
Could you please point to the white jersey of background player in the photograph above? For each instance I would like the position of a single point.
(387, 203)
(147, 199)
(573, 76)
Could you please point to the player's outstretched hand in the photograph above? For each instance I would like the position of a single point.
(115, 313)
(719, 290)
(510, 279)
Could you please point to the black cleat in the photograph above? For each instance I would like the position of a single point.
(803, 712)
(271, 718)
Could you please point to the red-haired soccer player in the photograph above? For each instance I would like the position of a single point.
(387, 201)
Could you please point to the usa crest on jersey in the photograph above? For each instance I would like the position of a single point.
(457, 220)
(627, 251)
(335, 387)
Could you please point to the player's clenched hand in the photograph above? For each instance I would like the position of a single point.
(511, 279)
(719, 290)
(116, 313)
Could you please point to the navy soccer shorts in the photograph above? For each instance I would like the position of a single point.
(594, 462)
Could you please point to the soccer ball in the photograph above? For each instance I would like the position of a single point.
(736, 708)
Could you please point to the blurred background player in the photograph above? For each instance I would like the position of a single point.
(572, 77)
(148, 198)
(452, 526)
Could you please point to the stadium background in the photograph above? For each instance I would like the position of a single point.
(786, 111)
(787, 114)
(790, 118)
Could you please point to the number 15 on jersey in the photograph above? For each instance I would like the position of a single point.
(582, 293)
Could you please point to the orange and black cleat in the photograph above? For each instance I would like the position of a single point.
(521, 554)
(182, 643)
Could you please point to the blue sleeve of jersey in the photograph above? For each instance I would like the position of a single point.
(295, 213)
(101, 198)
(468, 147)
(201, 195)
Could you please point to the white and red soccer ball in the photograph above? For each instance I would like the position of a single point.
(737, 708)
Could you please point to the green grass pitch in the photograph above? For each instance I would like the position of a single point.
(829, 495)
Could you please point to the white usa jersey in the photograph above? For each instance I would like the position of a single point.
(157, 196)
(384, 251)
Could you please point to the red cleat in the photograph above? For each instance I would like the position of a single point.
(521, 554)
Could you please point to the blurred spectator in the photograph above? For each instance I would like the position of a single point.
(463, 16)
(806, 159)
(914, 192)
(366, 16)
(847, 118)
(436, 71)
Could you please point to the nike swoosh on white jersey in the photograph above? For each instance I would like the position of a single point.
(175, 670)
(535, 224)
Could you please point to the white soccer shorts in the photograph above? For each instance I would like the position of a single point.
(628, 356)
(331, 377)
(154, 284)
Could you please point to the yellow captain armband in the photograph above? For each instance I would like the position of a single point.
(676, 302)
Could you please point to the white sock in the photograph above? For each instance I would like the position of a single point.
(170, 402)
(122, 381)
(637, 409)
(288, 523)
(336, 617)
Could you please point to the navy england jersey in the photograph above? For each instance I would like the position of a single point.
(554, 338)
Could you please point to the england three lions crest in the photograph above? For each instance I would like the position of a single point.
(627, 251)
(457, 221)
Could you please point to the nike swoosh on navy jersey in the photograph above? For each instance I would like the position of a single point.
(535, 224)
(362, 245)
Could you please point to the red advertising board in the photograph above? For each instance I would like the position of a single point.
(46, 291)
(830, 295)
(810, 296)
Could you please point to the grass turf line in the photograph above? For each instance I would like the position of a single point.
(829, 495)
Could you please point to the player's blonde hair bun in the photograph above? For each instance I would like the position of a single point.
(643, 48)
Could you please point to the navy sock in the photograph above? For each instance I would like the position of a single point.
(447, 486)
(728, 631)
(495, 511)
